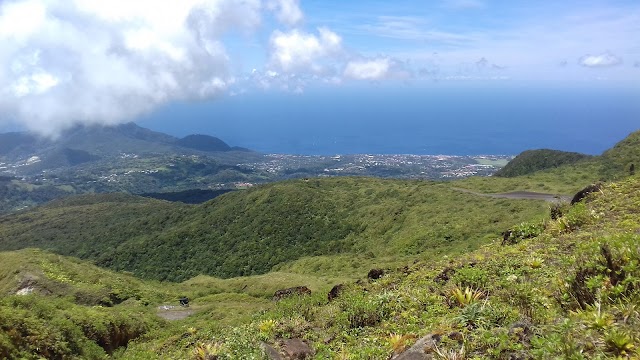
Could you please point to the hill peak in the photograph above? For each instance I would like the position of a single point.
(534, 160)
(628, 149)
(203, 143)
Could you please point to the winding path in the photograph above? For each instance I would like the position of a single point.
(524, 195)
(170, 312)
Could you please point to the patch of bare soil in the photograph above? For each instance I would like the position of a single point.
(170, 312)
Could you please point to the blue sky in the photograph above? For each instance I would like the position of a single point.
(64, 62)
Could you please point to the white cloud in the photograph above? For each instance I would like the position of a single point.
(64, 62)
(287, 11)
(375, 69)
(368, 69)
(415, 29)
(297, 51)
(601, 60)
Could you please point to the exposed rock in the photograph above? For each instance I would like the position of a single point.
(516, 355)
(506, 237)
(457, 336)
(405, 270)
(522, 330)
(25, 290)
(421, 350)
(284, 293)
(580, 195)
(335, 292)
(375, 274)
(295, 349)
(444, 276)
(556, 211)
(272, 353)
(29, 284)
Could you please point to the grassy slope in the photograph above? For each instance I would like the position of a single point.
(531, 161)
(575, 286)
(567, 179)
(78, 310)
(250, 232)
(533, 279)
(620, 158)
(75, 310)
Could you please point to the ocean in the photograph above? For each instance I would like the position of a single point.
(435, 119)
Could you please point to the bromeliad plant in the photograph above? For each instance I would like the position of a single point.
(468, 296)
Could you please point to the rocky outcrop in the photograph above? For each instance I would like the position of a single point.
(335, 292)
(421, 350)
(295, 349)
(285, 293)
(288, 349)
(375, 274)
(582, 194)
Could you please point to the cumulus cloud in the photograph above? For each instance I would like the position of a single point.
(368, 69)
(64, 62)
(599, 61)
(273, 80)
(375, 69)
(298, 51)
(287, 11)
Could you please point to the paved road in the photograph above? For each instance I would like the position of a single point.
(526, 195)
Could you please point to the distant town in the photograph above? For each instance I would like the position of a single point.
(404, 166)
(177, 172)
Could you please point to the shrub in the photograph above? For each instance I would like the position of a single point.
(361, 310)
(471, 277)
(521, 232)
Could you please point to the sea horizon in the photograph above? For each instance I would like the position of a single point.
(503, 120)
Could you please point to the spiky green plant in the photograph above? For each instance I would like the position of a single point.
(466, 297)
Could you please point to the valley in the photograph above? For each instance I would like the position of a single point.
(458, 265)
(319, 180)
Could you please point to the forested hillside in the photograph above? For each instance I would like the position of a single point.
(464, 270)
(249, 232)
(614, 163)
(570, 289)
(531, 161)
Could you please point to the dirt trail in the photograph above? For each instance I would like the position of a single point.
(524, 195)
(170, 312)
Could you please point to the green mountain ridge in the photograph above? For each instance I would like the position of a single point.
(567, 290)
(535, 160)
(613, 163)
(454, 280)
(203, 143)
(569, 286)
(106, 141)
(249, 232)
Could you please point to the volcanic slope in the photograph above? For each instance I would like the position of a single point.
(568, 290)
(250, 232)
(616, 163)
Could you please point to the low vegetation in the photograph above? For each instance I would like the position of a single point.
(249, 232)
(567, 292)
(531, 161)
(461, 276)
(58, 307)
